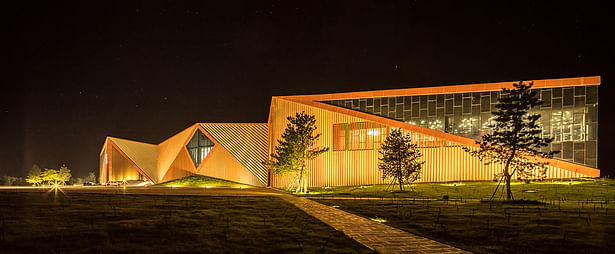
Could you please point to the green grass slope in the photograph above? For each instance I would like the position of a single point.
(201, 181)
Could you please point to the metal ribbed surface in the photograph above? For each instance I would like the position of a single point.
(246, 142)
(142, 154)
(444, 160)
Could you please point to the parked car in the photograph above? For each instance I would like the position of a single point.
(89, 184)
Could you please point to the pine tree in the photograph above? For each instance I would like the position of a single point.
(294, 150)
(34, 175)
(399, 159)
(516, 140)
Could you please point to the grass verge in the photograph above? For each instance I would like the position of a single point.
(43, 222)
(201, 181)
(556, 217)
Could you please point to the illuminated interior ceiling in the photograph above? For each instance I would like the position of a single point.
(569, 115)
(198, 147)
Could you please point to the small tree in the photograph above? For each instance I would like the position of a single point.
(50, 176)
(34, 175)
(63, 175)
(294, 150)
(516, 139)
(91, 177)
(400, 159)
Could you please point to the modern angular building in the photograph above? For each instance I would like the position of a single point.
(441, 120)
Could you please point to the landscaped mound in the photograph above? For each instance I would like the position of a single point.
(200, 181)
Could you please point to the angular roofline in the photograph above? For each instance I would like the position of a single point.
(464, 88)
(312, 101)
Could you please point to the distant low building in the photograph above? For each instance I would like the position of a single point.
(440, 119)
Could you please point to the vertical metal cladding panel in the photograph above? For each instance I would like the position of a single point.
(142, 154)
(122, 168)
(182, 166)
(246, 142)
(444, 160)
(170, 148)
(332, 168)
(221, 164)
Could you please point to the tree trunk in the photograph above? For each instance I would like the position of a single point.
(507, 176)
(299, 181)
(400, 181)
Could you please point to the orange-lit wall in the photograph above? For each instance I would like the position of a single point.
(448, 162)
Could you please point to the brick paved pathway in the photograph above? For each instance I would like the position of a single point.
(374, 235)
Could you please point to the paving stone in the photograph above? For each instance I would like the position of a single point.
(372, 234)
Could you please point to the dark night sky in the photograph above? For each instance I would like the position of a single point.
(81, 71)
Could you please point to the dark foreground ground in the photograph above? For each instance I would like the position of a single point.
(158, 220)
(568, 216)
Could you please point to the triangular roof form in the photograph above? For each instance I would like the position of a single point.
(247, 142)
(143, 155)
(169, 149)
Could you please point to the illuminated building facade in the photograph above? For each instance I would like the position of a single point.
(441, 120)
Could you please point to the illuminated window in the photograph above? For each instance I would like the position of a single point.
(358, 136)
(198, 147)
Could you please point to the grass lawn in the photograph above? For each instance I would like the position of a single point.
(568, 218)
(41, 222)
(200, 181)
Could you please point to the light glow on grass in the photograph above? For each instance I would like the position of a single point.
(381, 220)
(453, 184)
(173, 186)
(335, 206)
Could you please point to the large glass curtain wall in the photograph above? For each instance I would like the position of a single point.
(569, 115)
(198, 147)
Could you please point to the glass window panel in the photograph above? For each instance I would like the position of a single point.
(592, 114)
(415, 109)
(567, 151)
(556, 103)
(475, 98)
(457, 100)
(440, 101)
(370, 102)
(485, 104)
(407, 102)
(399, 111)
(355, 103)
(567, 125)
(579, 156)
(432, 108)
(415, 99)
(407, 116)
(591, 94)
(457, 111)
(557, 147)
(568, 97)
(590, 150)
(579, 90)
(475, 109)
(384, 101)
(546, 98)
(362, 105)
(556, 126)
(467, 105)
(579, 101)
(431, 97)
(557, 93)
(423, 114)
(423, 101)
(494, 97)
(392, 102)
(448, 105)
(377, 105)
